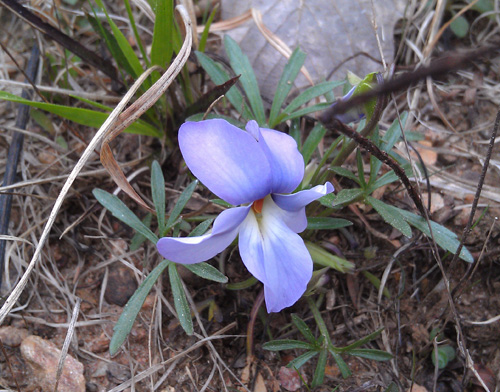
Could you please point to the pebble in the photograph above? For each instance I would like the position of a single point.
(42, 356)
(12, 336)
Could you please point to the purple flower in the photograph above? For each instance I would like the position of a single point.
(256, 169)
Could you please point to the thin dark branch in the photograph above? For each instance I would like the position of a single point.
(367, 145)
(480, 184)
(441, 66)
(67, 42)
(15, 149)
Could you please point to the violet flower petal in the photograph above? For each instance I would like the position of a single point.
(226, 159)
(299, 200)
(191, 250)
(276, 256)
(287, 164)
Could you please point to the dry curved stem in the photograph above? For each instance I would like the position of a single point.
(116, 118)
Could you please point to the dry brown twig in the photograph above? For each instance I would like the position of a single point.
(115, 123)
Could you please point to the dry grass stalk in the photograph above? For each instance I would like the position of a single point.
(117, 119)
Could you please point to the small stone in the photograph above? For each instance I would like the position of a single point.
(42, 356)
(12, 336)
(121, 285)
(289, 379)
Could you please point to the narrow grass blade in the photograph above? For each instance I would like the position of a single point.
(376, 283)
(326, 259)
(301, 112)
(134, 304)
(111, 44)
(325, 223)
(312, 141)
(290, 72)
(360, 342)
(219, 76)
(181, 203)
(180, 300)
(206, 271)
(161, 48)
(86, 117)
(120, 211)
(240, 64)
(201, 228)
(158, 194)
(136, 33)
(125, 47)
(342, 171)
(286, 344)
(390, 215)
(242, 285)
(206, 30)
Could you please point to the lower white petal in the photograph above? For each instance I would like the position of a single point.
(275, 255)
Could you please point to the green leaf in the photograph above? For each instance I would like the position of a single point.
(296, 363)
(302, 112)
(158, 194)
(136, 33)
(240, 64)
(460, 27)
(327, 200)
(286, 344)
(120, 211)
(311, 93)
(126, 321)
(312, 141)
(290, 72)
(320, 223)
(125, 47)
(111, 43)
(161, 48)
(303, 328)
(326, 259)
(200, 117)
(392, 388)
(181, 203)
(390, 215)
(445, 354)
(445, 238)
(345, 173)
(346, 196)
(201, 228)
(81, 116)
(180, 300)
(344, 369)
(206, 30)
(375, 355)
(206, 271)
(138, 239)
(222, 203)
(219, 76)
(242, 285)
(319, 372)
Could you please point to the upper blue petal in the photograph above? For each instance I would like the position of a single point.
(191, 250)
(276, 256)
(228, 160)
(287, 164)
(299, 200)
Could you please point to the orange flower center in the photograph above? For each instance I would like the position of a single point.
(257, 206)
